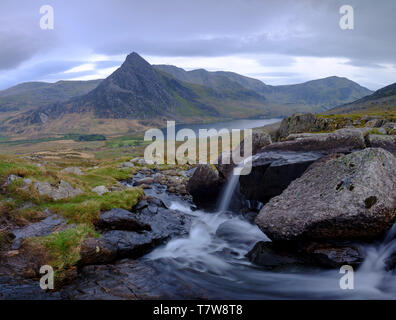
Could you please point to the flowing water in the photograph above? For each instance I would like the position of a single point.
(212, 257)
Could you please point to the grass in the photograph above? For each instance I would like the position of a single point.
(17, 167)
(86, 209)
(61, 250)
(64, 246)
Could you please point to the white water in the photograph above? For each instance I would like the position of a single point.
(212, 256)
(232, 184)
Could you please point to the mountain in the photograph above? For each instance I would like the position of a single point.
(381, 100)
(215, 80)
(138, 95)
(38, 94)
(323, 93)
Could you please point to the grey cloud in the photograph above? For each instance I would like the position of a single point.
(286, 28)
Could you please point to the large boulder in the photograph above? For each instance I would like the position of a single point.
(387, 142)
(259, 141)
(350, 197)
(205, 185)
(273, 171)
(342, 140)
(296, 123)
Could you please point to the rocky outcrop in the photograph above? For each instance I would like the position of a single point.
(62, 190)
(342, 140)
(205, 185)
(126, 234)
(297, 123)
(273, 171)
(387, 142)
(349, 197)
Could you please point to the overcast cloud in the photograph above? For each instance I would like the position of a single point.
(278, 42)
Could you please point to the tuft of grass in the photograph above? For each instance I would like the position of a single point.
(86, 209)
(64, 247)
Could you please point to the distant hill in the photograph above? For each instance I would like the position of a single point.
(38, 94)
(322, 94)
(138, 95)
(381, 100)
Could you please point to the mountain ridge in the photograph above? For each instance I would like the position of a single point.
(384, 98)
(143, 95)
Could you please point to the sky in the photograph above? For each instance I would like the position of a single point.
(278, 42)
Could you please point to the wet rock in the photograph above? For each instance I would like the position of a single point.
(387, 142)
(205, 185)
(130, 280)
(97, 251)
(147, 181)
(120, 219)
(271, 256)
(52, 223)
(73, 170)
(272, 172)
(62, 190)
(100, 190)
(330, 255)
(133, 234)
(350, 197)
(342, 141)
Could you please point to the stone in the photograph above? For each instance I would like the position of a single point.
(387, 142)
(296, 123)
(100, 190)
(139, 161)
(259, 141)
(73, 170)
(146, 180)
(350, 197)
(120, 219)
(205, 185)
(126, 165)
(273, 171)
(342, 140)
(62, 190)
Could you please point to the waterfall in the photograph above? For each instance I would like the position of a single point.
(231, 185)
